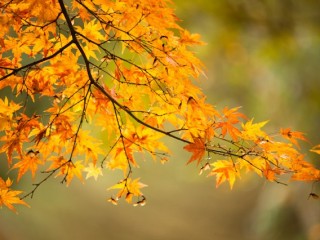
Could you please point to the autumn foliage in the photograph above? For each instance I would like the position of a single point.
(121, 71)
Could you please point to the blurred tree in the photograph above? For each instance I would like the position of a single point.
(273, 74)
(262, 53)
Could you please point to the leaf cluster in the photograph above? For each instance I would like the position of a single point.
(125, 68)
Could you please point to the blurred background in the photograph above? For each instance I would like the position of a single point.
(261, 55)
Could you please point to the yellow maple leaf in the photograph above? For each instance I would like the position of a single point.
(9, 197)
(129, 188)
(251, 131)
(68, 169)
(93, 171)
(91, 30)
(256, 165)
(72, 169)
(120, 162)
(225, 170)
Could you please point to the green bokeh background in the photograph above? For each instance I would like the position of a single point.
(261, 55)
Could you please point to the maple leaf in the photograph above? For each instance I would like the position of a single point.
(13, 141)
(256, 165)
(316, 149)
(119, 161)
(225, 171)
(292, 136)
(252, 131)
(306, 172)
(270, 173)
(5, 184)
(89, 146)
(29, 162)
(124, 66)
(69, 170)
(6, 112)
(228, 121)
(9, 197)
(197, 148)
(129, 188)
(91, 30)
(93, 171)
(128, 153)
(190, 39)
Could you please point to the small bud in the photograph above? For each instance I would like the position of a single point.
(204, 168)
(142, 202)
(129, 197)
(113, 201)
(164, 160)
(313, 195)
(56, 99)
(32, 153)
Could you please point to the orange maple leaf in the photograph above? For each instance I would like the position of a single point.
(307, 172)
(9, 197)
(292, 136)
(225, 171)
(230, 119)
(197, 148)
(70, 170)
(268, 173)
(29, 162)
(316, 149)
(5, 184)
(12, 142)
(190, 39)
(6, 112)
(67, 169)
(271, 173)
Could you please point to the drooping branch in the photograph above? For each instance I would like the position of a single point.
(129, 71)
(17, 70)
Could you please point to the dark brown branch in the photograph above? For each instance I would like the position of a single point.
(115, 102)
(16, 70)
(36, 185)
